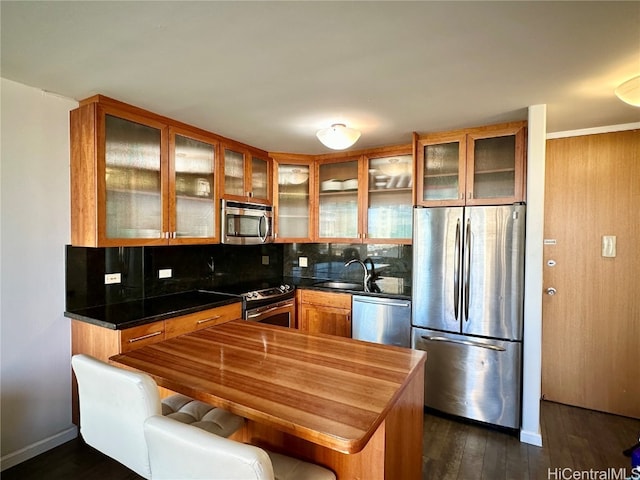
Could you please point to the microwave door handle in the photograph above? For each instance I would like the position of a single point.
(266, 231)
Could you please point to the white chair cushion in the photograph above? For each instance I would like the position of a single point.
(114, 403)
(202, 415)
(289, 468)
(180, 451)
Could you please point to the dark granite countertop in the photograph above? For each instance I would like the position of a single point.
(119, 316)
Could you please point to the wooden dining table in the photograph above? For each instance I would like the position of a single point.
(354, 407)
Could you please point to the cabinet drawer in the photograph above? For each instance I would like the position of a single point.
(206, 318)
(137, 337)
(336, 300)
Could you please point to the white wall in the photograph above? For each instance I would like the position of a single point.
(532, 345)
(35, 394)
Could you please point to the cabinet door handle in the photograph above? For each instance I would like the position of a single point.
(144, 337)
(205, 320)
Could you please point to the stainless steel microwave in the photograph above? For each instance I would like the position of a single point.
(246, 223)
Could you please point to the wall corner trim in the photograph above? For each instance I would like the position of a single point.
(532, 438)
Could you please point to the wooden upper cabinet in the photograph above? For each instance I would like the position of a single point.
(136, 180)
(479, 166)
(294, 200)
(388, 204)
(246, 175)
(496, 165)
(119, 168)
(366, 197)
(339, 197)
(441, 169)
(193, 216)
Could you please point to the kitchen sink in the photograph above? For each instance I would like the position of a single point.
(340, 285)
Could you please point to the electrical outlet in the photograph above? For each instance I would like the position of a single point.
(164, 273)
(302, 261)
(265, 259)
(111, 278)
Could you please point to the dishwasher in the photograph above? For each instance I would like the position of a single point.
(382, 320)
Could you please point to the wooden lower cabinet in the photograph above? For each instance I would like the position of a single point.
(103, 343)
(324, 312)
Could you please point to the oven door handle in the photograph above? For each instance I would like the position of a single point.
(272, 309)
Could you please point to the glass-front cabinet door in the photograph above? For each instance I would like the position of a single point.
(133, 172)
(338, 200)
(293, 203)
(234, 178)
(477, 166)
(246, 176)
(441, 170)
(495, 165)
(192, 191)
(390, 198)
(259, 178)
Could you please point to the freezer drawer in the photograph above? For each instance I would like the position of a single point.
(471, 377)
(382, 320)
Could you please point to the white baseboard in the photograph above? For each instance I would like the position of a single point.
(35, 449)
(532, 438)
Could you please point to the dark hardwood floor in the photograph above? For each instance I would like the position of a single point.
(574, 438)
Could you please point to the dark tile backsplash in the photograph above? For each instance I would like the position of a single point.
(213, 266)
(193, 267)
(325, 261)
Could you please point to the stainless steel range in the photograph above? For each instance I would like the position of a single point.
(264, 303)
(274, 306)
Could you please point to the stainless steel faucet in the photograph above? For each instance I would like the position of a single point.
(366, 277)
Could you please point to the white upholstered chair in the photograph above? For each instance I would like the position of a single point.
(114, 403)
(180, 451)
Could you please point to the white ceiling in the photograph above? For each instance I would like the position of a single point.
(271, 73)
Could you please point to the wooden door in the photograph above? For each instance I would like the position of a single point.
(591, 325)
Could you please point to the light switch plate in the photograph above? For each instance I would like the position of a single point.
(265, 259)
(302, 261)
(609, 246)
(111, 278)
(164, 273)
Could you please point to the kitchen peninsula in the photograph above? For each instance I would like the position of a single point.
(352, 406)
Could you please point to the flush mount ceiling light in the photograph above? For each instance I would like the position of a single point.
(338, 136)
(629, 91)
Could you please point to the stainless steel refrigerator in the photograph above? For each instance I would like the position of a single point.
(468, 278)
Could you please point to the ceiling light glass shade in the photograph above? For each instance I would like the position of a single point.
(338, 136)
(629, 91)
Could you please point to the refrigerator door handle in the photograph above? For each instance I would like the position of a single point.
(467, 267)
(463, 342)
(456, 272)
